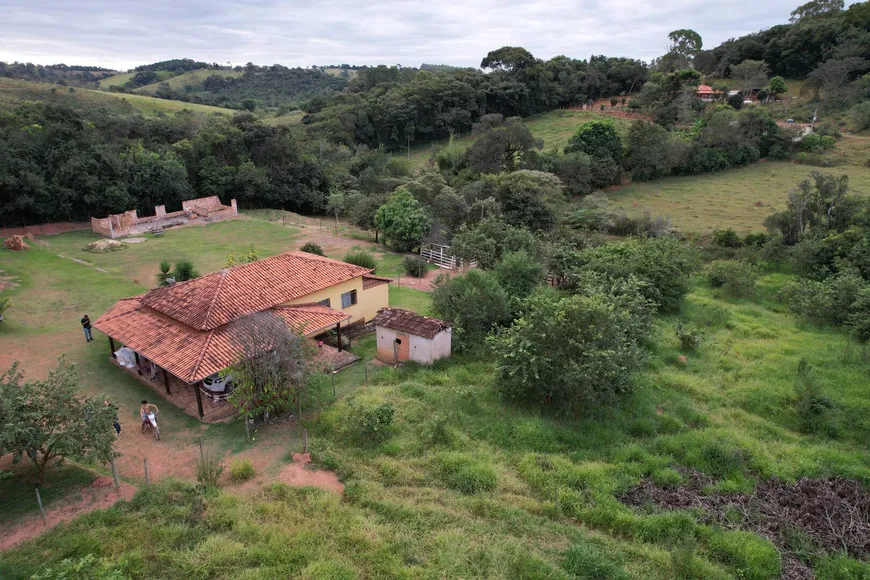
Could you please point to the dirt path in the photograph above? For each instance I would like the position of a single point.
(427, 282)
(100, 495)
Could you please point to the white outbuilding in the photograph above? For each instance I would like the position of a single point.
(404, 335)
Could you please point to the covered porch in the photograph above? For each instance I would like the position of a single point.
(186, 396)
(173, 359)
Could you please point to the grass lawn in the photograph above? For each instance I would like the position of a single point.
(464, 485)
(117, 80)
(737, 198)
(153, 105)
(554, 127)
(207, 247)
(61, 482)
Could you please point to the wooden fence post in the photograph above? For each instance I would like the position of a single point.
(41, 510)
(115, 474)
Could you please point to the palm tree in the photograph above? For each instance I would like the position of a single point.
(164, 273)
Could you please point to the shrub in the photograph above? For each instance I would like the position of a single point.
(757, 240)
(811, 406)
(858, 320)
(752, 557)
(368, 421)
(474, 303)
(241, 470)
(859, 117)
(184, 270)
(415, 266)
(735, 277)
(829, 301)
(570, 354)
(312, 248)
(690, 337)
(597, 139)
(466, 474)
(208, 471)
(665, 264)
(727, 238)
(360, 258)
(519, 273)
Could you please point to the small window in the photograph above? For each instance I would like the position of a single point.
(326, 303)
(348, 299)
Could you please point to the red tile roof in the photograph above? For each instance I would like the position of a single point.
(193, 354)
(370, 281)
(185, 328)
(213, 300)
(410, 322)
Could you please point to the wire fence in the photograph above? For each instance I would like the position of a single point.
(41, 499)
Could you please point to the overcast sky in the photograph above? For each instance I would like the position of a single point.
(124, 33)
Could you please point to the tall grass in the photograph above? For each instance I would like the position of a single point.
(466, 486)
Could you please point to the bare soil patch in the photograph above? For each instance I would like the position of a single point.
(833, 513)
(45, 229)
(100, 494)
(296, 474)
(427, 282)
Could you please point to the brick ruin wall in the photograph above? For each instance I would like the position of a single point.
(129, 223)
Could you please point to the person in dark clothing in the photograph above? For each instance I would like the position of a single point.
(86, 325)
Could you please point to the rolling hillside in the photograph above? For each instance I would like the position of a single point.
(190, 78)
(555, 128)
(116, 81)
(13, 92)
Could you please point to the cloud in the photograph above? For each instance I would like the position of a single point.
(125, 33)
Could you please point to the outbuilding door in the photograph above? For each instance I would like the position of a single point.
(404, 346)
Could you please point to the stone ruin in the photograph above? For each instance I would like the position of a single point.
(209, 209)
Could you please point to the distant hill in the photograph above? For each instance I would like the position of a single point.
(14, 92)
(192, 79)
(255, 87)
(72, 75)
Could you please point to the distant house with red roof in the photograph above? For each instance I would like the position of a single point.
(706, 93)
(186, 329)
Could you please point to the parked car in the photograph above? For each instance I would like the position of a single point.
(219, 385)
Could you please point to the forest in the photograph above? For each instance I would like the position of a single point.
(64, 164)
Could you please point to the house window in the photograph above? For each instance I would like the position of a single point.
(348, 299)
(325, 302)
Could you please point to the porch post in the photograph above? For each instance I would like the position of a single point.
(338, 332)
(196, 386)
(166, 382)
(112, 347)
(138, 368)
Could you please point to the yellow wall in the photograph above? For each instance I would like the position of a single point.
(368, 301)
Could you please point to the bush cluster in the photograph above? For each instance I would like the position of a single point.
(361, 258)
(737, 278)
(367, 421)
(312, 248)
(415, 266)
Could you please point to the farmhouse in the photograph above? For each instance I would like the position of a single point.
(179, 335)
(404, 335)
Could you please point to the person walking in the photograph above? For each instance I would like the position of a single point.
(86, 325)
